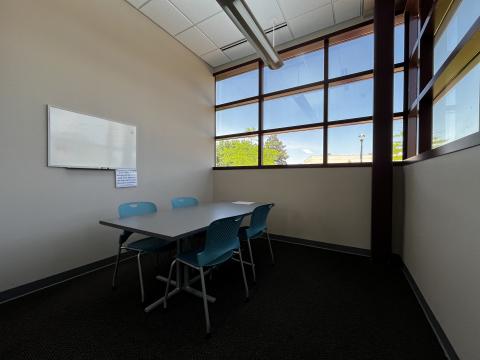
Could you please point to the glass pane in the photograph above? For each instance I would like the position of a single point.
(298, 109)
(351, 100)
(237, 120)
(237, 87)
(397, 149)
(299, 147)
(237, 152)
(398, 92)
(350, 143)
(300, 70)
(351, 56)
(456, 114)
(399, 42)
(463, 18)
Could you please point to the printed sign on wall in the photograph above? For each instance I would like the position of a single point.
(125, 178)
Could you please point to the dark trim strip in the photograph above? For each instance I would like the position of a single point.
(321, 245)
(297, 166)
(27, 289)
(432, 320)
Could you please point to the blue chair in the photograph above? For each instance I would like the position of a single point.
(142, 246)
(258, 227)
(183, 202)
(220, 245)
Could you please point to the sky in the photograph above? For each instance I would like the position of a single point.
(346, 101)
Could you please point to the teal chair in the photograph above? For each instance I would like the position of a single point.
(142, 246)
(258, 227)
(220, 245)
(183, 202)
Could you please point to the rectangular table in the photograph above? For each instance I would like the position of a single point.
(177, 224)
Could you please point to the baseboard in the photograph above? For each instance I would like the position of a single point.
(436, 327)
(321, 245)
(26, 289)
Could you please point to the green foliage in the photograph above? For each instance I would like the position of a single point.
(244, 152)
(398, 147)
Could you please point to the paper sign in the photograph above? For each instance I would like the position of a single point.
(125, 178)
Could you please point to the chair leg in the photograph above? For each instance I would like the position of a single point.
(140, 275)
(205, 302)
(244, 276)
(115, 272)
(251, 260)
(270, 246)
(172, 265)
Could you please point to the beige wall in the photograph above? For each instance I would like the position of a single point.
(324, 204)
(99, 57)
(442, 242)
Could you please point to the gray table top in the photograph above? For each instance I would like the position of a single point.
(175, 224)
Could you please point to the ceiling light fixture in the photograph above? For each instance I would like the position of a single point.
(241, 15)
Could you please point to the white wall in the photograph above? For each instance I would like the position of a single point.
(331, 205)
(100, 57)
(442, 242)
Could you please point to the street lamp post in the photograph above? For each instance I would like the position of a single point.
(362, 137)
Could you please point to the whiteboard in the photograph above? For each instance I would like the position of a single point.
(83, 141)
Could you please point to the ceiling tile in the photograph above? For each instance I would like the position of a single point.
(137, 3)
(266, 11)
(197, 10)
(196, 41)
(294, 8)
(220, 29)
(239, 51)
(166, 15)
(282, 35)
(215, 58)
(346, 9)
(312, 21)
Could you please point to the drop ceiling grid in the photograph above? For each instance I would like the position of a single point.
(199, 30)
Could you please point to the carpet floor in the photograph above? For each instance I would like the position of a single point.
(313, 304)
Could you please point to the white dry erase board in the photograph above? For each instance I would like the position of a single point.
(83, 141)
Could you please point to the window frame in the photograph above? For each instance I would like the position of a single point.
(362, 29)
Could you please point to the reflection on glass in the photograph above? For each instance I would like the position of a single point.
(298, 109)
(237, 152)
(237, 87)
(399, 42)
(398, 92)
(351, 56)
(300, 70)
(350, 143)
(397, 143)
(451, 33)
(351, 100)
(299, 147)
(456, 114)
(237, 120)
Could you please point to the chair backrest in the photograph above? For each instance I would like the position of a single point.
(136, 209)
(258, 222)
(183, 202)
(222, 237)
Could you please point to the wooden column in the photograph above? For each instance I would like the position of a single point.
(382, 169)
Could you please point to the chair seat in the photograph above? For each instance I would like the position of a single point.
(150, 244)
(191, 258)
(246, 232)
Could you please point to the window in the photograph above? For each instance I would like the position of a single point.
(399, 34)
(296, 117)
(456, 114)
(300, 70)
(351, 56)
(291, 110)
(466, 13)
(237, 120)
(350, 143)
(351, 100)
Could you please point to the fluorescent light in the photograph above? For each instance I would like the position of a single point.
(241, 15)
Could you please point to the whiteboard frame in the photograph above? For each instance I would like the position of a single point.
(49, 150)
